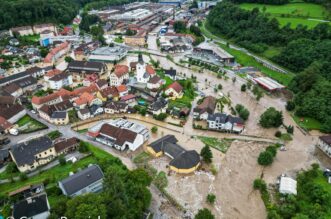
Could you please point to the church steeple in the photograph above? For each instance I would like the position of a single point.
(140, 59)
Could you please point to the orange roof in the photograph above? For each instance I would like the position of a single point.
(121, 88)
(54, 51)
(121, 70)
(90, 89)
(41, 100)
(53, 72)
(84, 99)
(109, 91)
(150, 70)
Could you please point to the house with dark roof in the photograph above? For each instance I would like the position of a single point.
(12, 112)
(31, 154)
(85, 181)
(84, 114)
(182, 161)
(13, 89)
(224, 122)
(67, 145)
(80, 69)
(36, 207)
(60, 80)
(155, 82)
(205, 108)
(54, 115)
(159, 106)
(116, 107)
(324, 143)
(4, 156)
(171, 73)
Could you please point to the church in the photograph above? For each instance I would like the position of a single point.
(144, 71)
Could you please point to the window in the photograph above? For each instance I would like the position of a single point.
(45, 152)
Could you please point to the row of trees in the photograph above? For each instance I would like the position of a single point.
(270, 2)
(125, 195)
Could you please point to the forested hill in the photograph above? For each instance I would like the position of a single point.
(304, 51)
(27, 12)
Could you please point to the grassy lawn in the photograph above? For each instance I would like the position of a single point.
(28, 124)
(307, 123)
(59, 172)
(118, 40)
(219, 144)
(247, 60)
(185, 101)
(294, 13)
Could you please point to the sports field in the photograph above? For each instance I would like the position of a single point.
(294, 13)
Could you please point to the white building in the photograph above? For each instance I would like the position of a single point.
(108, 54)
(120, 74)
(144, 71)
(60, 80)
(138, 14)
(288, 186)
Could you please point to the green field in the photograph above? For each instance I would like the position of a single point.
(307, 123)
(294, 13)
(219, 144)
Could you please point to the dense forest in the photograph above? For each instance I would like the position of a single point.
(270, 2)
(27, 12)
(304, 51)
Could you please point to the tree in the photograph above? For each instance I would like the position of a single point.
(290, 129)
(242, 111)
(265, 158)
(204, 214)
(11, 168)
(68, 59)
(243, 88)
(211, 198)
(278, 134)
(290, 105)
(180, 27)
(206, 154)
(6, 211)
(23, 177)
(271, 118)
(154, 129)
(83, 148)
(62, 160)
(220, 86)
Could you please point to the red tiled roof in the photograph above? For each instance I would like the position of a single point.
(41, 100)
(53, 72)
(84, 99)
(121, 88)
(128, 97)
(176, 86)
(109, 91)
(150, 70)
(121, 70)
(4, 123)
(54, 51)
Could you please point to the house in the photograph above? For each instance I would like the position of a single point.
(12, 112)
(51, 73)
(67, 145)
(207, 107)
(39, 28)
(96, 110)
(51, 114)
(174, 91)
(182, 161)
(101, 84)
(224, 122)
(84, 114)
(120, 74)
(60, 80)
(129, 99)
(324, 143)
(154, 83)
(5, 126)
(27, 191)
(144, 71)
(13, 89)
(36, 207)
(31, 154)
(122, 90)
(57, 52)
(90, 79)
(108, 93)
(171, 73)
(88, 180)
(79, 69)
(21, 31)
(159, 106)
(116, 107)
(121, 134)
(54, 98)
(86, 99)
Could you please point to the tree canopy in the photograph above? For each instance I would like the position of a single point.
(271, 118)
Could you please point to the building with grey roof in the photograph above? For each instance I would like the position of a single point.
(33, 207)
(108, 54)
(31, 154)
(85, 181)
(224, 122)
(182, 161)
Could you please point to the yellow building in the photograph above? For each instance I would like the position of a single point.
(183, 161)
(32, 154)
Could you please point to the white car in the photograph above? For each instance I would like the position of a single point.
(33, 111)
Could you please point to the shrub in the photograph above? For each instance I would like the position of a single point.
(62, 160)
(290, 105)
(161, 180)
(160, 117)
(290, 129)
(11, 168)
(272, 149)
(265, 158)
(271, 118)
(154, 129)
(259, 184)
(243, 88)
(211, 198)
(204, 214)
(83, 148)
(278, 134)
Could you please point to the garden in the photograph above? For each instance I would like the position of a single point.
(27, 125)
